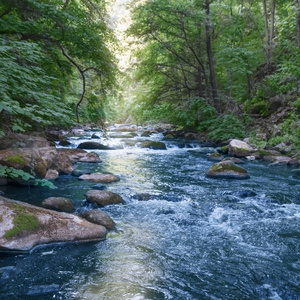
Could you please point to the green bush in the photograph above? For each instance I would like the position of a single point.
(227, 127)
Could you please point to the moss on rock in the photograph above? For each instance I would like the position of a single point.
(16, 159)
(22, 222)
(154, 145)
(227, 169)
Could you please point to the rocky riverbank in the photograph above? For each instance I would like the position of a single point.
(23, 226)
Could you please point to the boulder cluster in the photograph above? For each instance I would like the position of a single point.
(22, 225)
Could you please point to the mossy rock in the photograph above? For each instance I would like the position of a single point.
(169, 137)
(215, 157)
(224, 149)
(23, 226)
(227, 170)
(154, 145)
(16, 159)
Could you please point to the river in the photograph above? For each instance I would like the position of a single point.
(194, 237)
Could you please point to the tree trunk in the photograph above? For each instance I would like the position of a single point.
(297, 6)
(210, 58)
(269, 29)
(266, 30)
(272, 25)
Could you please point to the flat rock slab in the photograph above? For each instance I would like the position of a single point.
(23, 226)
(101, 178)
(227, 170)
(103, 198)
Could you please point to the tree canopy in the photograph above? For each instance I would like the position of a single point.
(230, 57)
(53, 54)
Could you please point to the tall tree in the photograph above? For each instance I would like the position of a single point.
(213, 81)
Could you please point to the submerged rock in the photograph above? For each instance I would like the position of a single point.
(235, 160)
(99, 217)
(103, 198)
(227, 170)
(240, 149)
(154, 145)
(59, 204)
(215, 157)
(44, 289)
(23, 226)
(93, 146)
(203, 150)
(99, 187)
(64, 143)
(96, 177)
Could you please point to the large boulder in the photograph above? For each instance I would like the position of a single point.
(59, 204)
(99, 217)
(39, 161)
(154, 145)
(240, 149)
(14, 140)
(103, 198)
(102, 178)
(29, 160)
(227, 170)
(93, 146)
(23, 226)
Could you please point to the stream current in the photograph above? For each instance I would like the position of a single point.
(194, 237)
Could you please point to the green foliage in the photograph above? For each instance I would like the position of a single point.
(257, 105)
(13, 173)
(41, 42)
(227, 127)
(289, 132)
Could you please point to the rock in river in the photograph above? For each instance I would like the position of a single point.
(23, 226)
(240, 149)
(59, 204)
(94, 145)
(99, 217)
(103, 198)
(102, 178)
(154, 145)
(227, 170)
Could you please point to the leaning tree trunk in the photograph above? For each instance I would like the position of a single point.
(213, 81)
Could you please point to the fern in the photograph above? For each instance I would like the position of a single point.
(13, 173)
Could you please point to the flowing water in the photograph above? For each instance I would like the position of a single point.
(194, 237)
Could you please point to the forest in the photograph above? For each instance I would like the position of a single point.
(227, 69)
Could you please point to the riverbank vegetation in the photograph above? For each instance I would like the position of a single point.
(228, 69)
(220, 67)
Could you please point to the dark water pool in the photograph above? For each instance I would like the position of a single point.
(195, 238)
